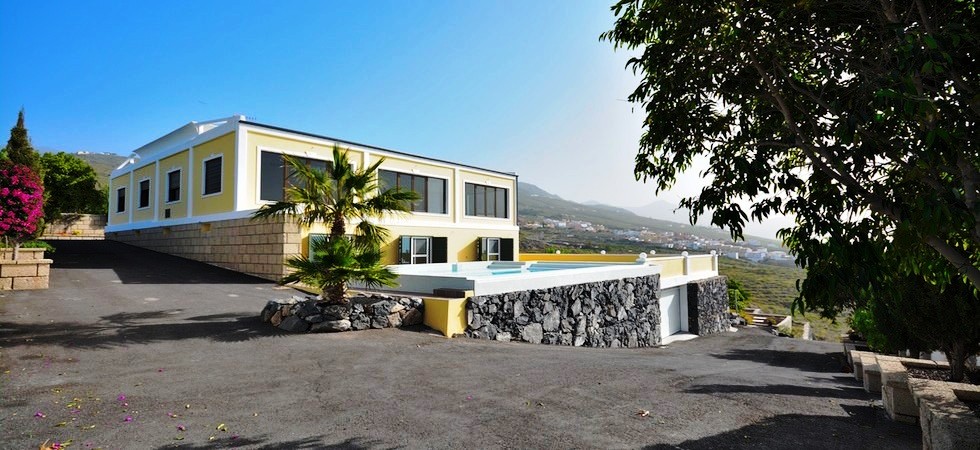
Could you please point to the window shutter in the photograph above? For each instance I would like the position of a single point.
(481, 249)
(405, 250)
(506, 249)
(212, 176)
(440, 250)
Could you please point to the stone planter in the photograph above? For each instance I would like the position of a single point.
(895, 392)
(947, 422)
(29, 271)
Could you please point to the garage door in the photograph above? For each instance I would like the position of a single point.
(670, 312)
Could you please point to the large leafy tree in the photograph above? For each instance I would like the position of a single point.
(72, 186)
(339, 197)
(833, 111)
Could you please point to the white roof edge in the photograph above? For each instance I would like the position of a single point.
(182, 136)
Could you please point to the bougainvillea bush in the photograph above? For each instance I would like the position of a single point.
(21, 204)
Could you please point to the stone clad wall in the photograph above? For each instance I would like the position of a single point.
(255, 247)
(615, 313)
(707, 306)
(76, 226)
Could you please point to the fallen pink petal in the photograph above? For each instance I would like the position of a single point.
(40, 415)
(128, 419)
(181, 428)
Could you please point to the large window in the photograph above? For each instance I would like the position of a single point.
(212, 176)
(121, 200)
(432, 191)
(144, 194)
(486, 201)
(173, 186)
(276, 175)
(495, 249)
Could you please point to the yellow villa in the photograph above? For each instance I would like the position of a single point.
(191, 193)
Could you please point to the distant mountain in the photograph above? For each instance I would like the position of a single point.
(664, 210)
(535, 204)
(103, 163)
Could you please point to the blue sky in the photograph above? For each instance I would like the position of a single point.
(523, 86)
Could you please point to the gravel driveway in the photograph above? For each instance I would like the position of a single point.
(129, 346)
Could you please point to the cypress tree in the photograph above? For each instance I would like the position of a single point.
(19, 149)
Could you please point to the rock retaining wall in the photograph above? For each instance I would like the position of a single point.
(300, 314)
(707, 306)
(29, 271)
(615, 313)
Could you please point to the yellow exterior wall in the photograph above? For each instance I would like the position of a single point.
(224, 201)
(446, 315)
(462, 240)
(178, 209)
(456, 238)
(147, 172)
(114, 184)
(255, 142)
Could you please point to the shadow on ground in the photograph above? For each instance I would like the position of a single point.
(796, 359)
(842, 392)
(261, 443)
(123, 329)
(134, 265)
(811, 432)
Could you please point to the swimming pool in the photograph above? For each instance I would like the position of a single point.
(498, 277)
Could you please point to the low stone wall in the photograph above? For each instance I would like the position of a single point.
(29, 271)
(616, 313)
(299, 314)
(76, 226)
(258, 248)
(707, 306)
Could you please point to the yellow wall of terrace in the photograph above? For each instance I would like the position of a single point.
(224, 201)
(579, 257)
(115, 218)
(469, 176)
(448, 315)
(178, 209)
(670, 266)
(700, 263)
(254, 141)
(414, 167)
(147, 172)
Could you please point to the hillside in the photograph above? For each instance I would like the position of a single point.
(102, 163)
(536, 204)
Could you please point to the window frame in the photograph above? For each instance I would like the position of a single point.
(428, 249)
(149, 192)
(490, 255)
(204, 176)
(170, 188)
(121, 205)
(424, 196)
(493, 198)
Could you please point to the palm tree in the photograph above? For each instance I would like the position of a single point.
(337, 196)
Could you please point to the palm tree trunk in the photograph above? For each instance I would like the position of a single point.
(336, 293)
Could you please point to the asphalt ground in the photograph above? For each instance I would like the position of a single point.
(131, 349)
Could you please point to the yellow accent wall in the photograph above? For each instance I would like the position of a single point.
(670, 266)
(224, 201)
(700, 263)
(579, 257)
(147, 172)
(177, 161)
(448, 315)
(258, 141)
(114, 184)
(461, 242)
